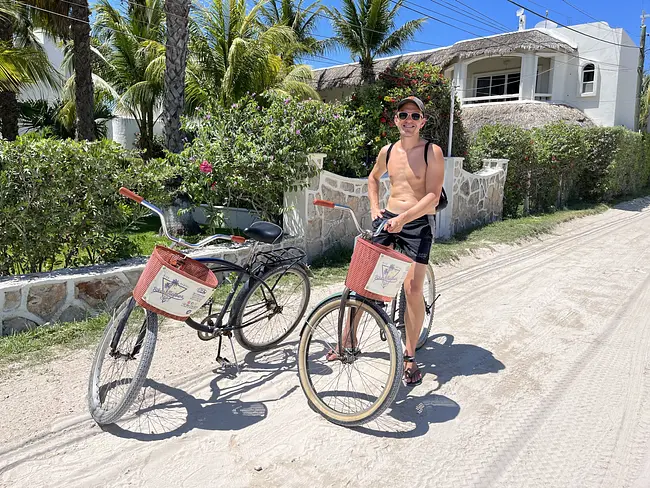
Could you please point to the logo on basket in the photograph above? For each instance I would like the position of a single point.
(171, 290)
(389, 274)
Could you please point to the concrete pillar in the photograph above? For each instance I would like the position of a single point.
(460, 81)
(296, 216)
(528, 76)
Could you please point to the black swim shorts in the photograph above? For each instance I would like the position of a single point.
(414, 240)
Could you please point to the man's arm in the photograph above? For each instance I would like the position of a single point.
(434, 178)
(377, 172)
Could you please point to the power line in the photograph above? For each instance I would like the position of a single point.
(572, 29)
(483, 15)
(500, 44)
(581, 11)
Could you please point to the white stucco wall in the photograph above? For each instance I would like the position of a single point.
(613, 101)
(55, 55)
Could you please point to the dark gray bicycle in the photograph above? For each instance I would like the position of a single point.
(259, 303)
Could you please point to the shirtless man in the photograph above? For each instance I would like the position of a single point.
(415, 187)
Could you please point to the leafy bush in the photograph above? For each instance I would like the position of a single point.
(514, 144)
(561, 163)
(375, 106)
(251, 153)
(59, 201)
(560, 154)
(629, 170)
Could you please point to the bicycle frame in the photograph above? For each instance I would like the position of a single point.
(363, 234)
(252, 271)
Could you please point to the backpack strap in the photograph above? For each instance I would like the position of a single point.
(426, 152)
(390, 148)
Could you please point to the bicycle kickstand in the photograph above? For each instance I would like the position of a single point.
(224, 362)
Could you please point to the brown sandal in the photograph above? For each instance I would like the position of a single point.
(412, 376)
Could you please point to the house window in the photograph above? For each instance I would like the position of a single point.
(497, 85)
(588, 79)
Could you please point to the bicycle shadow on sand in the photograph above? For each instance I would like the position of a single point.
(164, 411)
(440, 360)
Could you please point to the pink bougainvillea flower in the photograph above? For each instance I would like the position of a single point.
(205, 167)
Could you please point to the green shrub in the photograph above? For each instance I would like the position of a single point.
(560, 156)
(514, 144)
(600, 147)
(252, 153)
(59, 202)
(629, 169)
(375, 106)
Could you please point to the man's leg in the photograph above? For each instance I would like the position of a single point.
(414, 316)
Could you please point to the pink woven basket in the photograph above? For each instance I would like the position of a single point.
(364, 260)
(194, 285)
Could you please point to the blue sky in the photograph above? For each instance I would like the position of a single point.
(500, 13)
(623, 13)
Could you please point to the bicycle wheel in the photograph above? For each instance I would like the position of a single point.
(267, 314)
(121, 362)
(429, 288)
(357, 386)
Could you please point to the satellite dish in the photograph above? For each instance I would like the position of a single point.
(520, 12)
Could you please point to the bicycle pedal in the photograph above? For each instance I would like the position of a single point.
(224, 362)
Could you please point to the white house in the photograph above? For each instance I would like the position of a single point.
(122, 129)
(584, 74)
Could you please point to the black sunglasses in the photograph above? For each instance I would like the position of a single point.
(404, 115)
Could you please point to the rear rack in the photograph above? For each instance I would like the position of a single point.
(279, 257)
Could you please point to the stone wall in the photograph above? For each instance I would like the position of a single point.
(67, 295)
(478, 197)
(473, 199)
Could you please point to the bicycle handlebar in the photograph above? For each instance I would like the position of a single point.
(329, 204)
(324, 203)
(132, 195)
(135, 197)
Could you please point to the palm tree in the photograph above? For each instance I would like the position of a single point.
(301, 20)
(70, 19)
(134, 45)
(177, 14)
(233, 55)
(365, 27)
(22, 63)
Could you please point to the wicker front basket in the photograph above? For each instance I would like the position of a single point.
(174, 285)
(377, 272)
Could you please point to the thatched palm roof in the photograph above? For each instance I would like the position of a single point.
(501, 45)
(526, 115)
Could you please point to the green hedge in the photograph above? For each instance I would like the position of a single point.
(560, 163)
(59, 203)
(248, 155)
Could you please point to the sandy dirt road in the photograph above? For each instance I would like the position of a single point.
(537, 375)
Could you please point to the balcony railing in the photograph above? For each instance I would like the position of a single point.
(540, 97)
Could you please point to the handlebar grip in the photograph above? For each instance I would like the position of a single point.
(238, 239)
(132, 195)
(324, 203)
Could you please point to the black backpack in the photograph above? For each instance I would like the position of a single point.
(442, 202)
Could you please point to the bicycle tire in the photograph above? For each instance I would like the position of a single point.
(252, 286)
(426, 327)
(396, 364)
(100, 414)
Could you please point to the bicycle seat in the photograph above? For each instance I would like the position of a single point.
(264, 232)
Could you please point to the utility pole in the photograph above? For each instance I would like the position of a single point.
(639, 79)
(451, 118)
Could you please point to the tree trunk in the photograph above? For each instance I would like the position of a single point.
(84, 98)
(8, 100)
(177, 13)
(367, 71)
